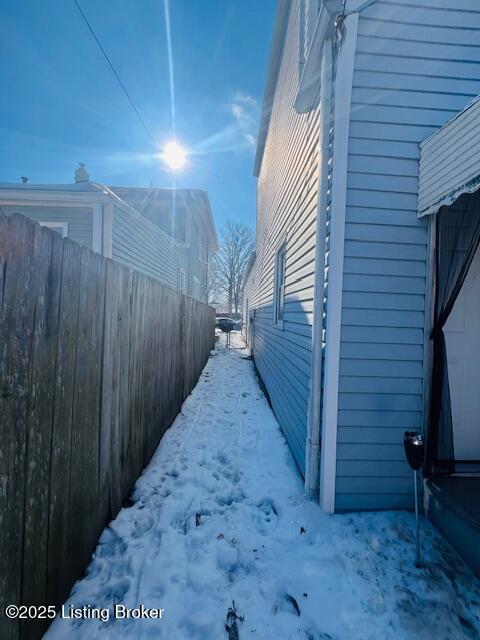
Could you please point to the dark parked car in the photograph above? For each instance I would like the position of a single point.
(225, 324)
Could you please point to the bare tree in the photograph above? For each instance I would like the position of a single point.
(230, 262)
(214, 288)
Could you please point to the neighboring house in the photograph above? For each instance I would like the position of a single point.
(142, 238)
(186, 216)
(222, 311)
(340, 295)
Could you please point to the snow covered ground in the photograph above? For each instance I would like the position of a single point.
(219, 517)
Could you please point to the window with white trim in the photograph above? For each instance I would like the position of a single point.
(182, 280)
(59, 227)
(279, 292)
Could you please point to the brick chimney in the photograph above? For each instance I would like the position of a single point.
(81, 174)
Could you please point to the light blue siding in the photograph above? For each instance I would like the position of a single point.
(79, 219)
(141, 245)
(286, 213)
(415, 67)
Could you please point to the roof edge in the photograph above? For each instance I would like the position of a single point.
(274, 59)
(202, 192)
(251, 261)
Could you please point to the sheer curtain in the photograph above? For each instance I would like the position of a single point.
(458, 236)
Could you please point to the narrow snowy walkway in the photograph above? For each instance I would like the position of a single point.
(219, 517)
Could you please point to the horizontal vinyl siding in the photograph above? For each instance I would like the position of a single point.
(415, 67)
(184, 263)
(142, 246)
(286, 212)
(449, 161)
(79, 219)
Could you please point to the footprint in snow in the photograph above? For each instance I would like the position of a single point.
(222, 459)
(141, 526)
(229, 499)
(116, 590)
(265, 519)
(236, 476)
(111, 544)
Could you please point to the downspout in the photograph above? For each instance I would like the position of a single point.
(312, 457)
(346, 32)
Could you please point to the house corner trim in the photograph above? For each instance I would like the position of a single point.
(343, 98)
(312, 453)
(97, 223)
(108, 230)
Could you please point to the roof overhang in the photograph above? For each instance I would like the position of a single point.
(279, 30)
(450, 161)
(308, 90)
(308, 93)
(309, 87)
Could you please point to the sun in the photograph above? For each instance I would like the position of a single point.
(174, 155)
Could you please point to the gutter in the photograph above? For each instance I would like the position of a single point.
(321, 446)
(345, 61)
(312, 457)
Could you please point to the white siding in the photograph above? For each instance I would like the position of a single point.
(287, 197)
(450, 161)
(141, 245)
(415, 67)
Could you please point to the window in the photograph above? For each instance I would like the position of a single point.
(196, 288)
(279, 297)
(59, 227)
(182, 280)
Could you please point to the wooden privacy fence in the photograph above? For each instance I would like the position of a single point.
(95, 362)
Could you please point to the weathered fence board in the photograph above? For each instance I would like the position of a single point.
(45, 290)
(16, 336)
(59, 568)
(95, 361)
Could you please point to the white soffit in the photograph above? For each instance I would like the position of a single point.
(450, 161)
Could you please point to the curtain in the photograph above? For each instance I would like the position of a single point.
(458, 236)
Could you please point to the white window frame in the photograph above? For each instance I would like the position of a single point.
(182, 280)
(56, 225)
(279, 286)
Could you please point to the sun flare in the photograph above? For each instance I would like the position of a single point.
(174, 155)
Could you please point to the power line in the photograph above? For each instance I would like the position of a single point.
(149, 133)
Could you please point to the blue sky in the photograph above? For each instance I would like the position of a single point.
(61, 104)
